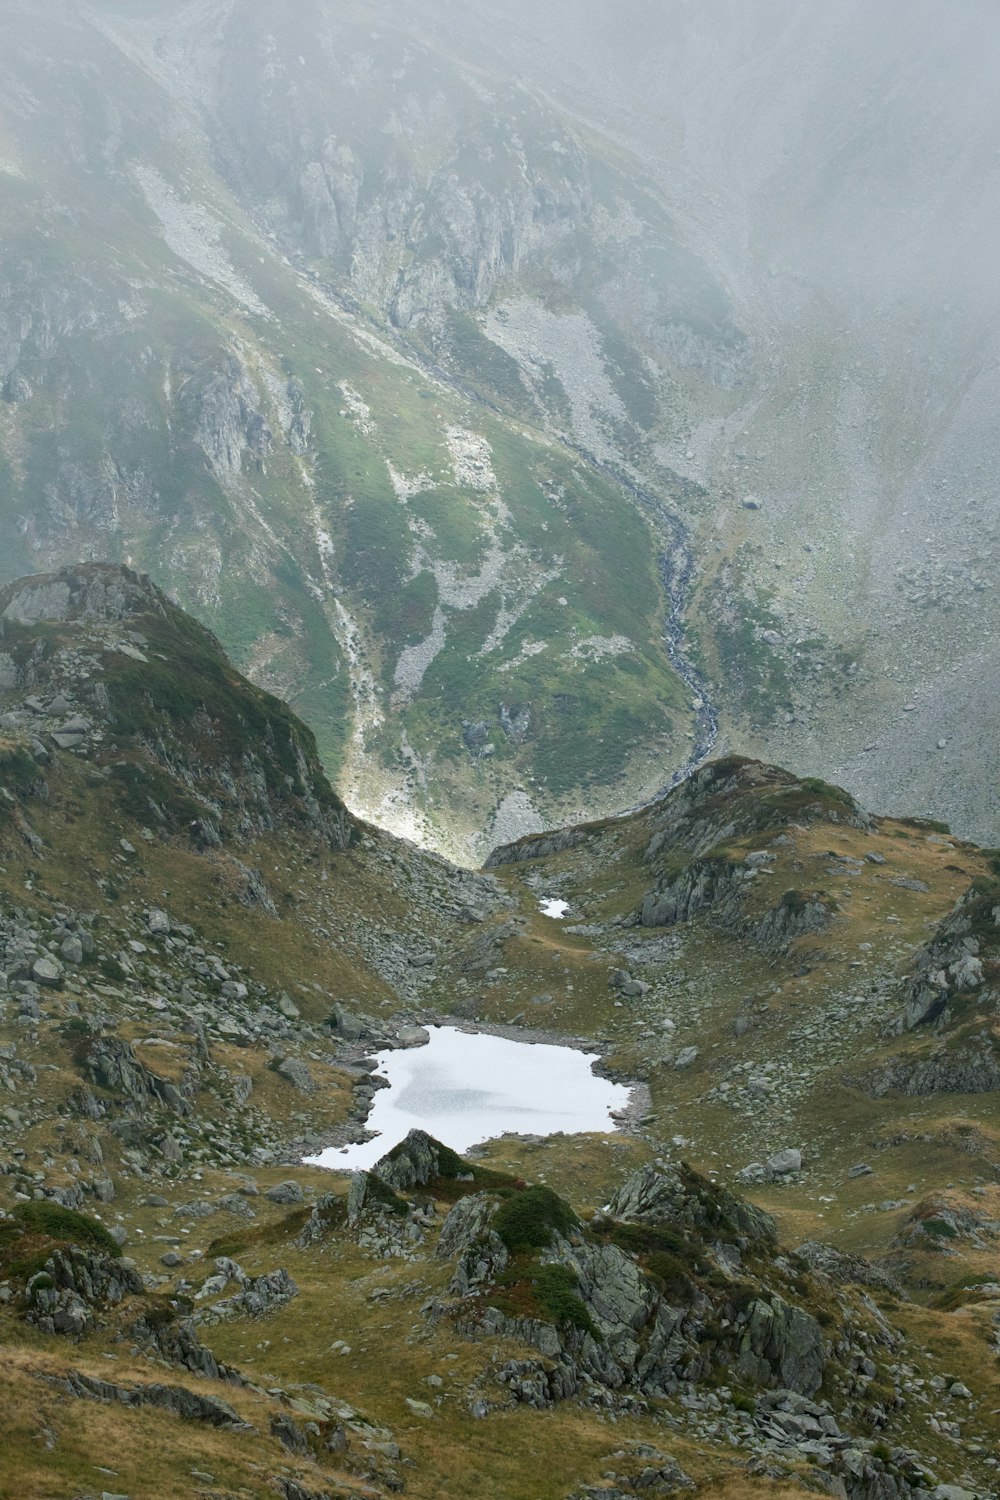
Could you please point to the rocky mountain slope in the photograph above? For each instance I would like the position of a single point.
(525, 400)
(780, 1277)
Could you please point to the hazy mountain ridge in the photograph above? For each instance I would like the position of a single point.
(737, 256)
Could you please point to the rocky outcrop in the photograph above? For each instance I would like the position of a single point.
(415, 1162)
(716, 883)
(970, 1069)
(618, 1321)
(386, 1226)
(782, 1344)
(177, 1342)
(190, 1406)
(960, 961)
(258, 1296)
(636, 1469)
(720, 885)
(848, 1270)
(535, 846)
(86, 593)
(67, 1294)
(230, 422)
(661, 1193)
(113, 1065)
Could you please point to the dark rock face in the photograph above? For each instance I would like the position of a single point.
(960, 960)
(631, 1328)
(191, 1406)
(413, 1163)
(846, 1269)
(656, 1194)
(385, 1225)
(232, 763)
(113, 1065)
(535, 846)
(782, 1343)
(178, 1343)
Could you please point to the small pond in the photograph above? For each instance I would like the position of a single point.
(465, 1087)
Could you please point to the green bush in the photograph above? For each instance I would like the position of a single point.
(671, 1274)
(555, 1289)
(529, 1219)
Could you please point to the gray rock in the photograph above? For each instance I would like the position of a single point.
(285, 1192)
(71, 950)
(191, 1406)
(784, 1344)
(784, 1162)
(48, 971)
(296, 1073)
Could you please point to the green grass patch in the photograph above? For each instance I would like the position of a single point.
(66, 1226)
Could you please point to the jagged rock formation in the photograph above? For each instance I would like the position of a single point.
(66, 1295)
(189, 1405)
(959, 961)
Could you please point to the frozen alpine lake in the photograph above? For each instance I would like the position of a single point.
(465, 1087)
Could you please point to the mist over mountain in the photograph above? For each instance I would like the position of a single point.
(535, 396)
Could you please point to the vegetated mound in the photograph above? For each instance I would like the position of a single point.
(96, 659)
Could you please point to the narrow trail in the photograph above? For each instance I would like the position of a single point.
(676, 559)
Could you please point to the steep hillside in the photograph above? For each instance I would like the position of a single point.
(780, 1276)
(377, 332)
(468, 612)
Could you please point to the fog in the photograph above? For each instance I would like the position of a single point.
(739, 248)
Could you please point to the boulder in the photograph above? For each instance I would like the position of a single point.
(285, 1193)
(296, 1073)
(48, 971)
(785, 1161)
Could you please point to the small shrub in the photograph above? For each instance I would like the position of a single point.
(939, 1227)
(671, 1275)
